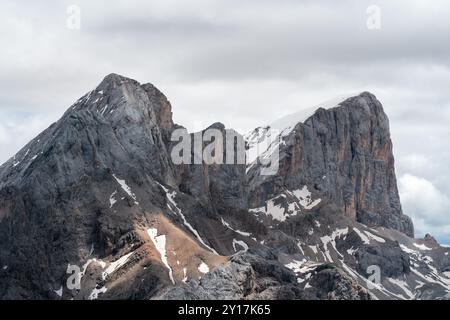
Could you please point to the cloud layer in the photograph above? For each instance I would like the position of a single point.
(243, 63)
(427, 204)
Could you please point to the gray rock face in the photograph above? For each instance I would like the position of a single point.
(56, 190)
(98, 190)
(231, 281)
(395, 262)
(248, 276)
(345, 155)
(220, 185)
(329, 283)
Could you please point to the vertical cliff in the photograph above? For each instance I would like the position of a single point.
(343, 154)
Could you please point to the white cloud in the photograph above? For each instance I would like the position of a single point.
(15, 133)
(426, 205)
(415, 162)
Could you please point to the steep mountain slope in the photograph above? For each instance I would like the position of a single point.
(98, 191)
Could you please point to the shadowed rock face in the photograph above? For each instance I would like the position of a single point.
(98, 190)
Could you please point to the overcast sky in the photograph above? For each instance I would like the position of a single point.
(244, 63)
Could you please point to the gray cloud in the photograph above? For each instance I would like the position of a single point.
(243, 63)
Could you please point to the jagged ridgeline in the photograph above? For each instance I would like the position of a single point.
(95, 208)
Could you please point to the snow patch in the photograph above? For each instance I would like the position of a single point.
(126, 188)
(314, 249)
(407, 250)
(112, 199)
(293, 207)
(184, 274)
(301, 197)
(240, 243)
(203, 268)
(104, 109)
(94, 294)
(59, 292)
(290, 121)
(295, 265)
(116, 265)
(160, 244)
(242, 233)
(264, 140)
(421, 246)
(261, 142)
(87, 264)
(91, 250)
(304, 197)
(332, 239)
(374, 237)
(363, 237)
(277, 212)
(301, 267)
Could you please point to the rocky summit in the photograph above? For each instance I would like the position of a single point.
(95, 208)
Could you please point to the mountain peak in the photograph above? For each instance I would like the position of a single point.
(288, 122)
(120, 99)
(114, 81)
(114, 78)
